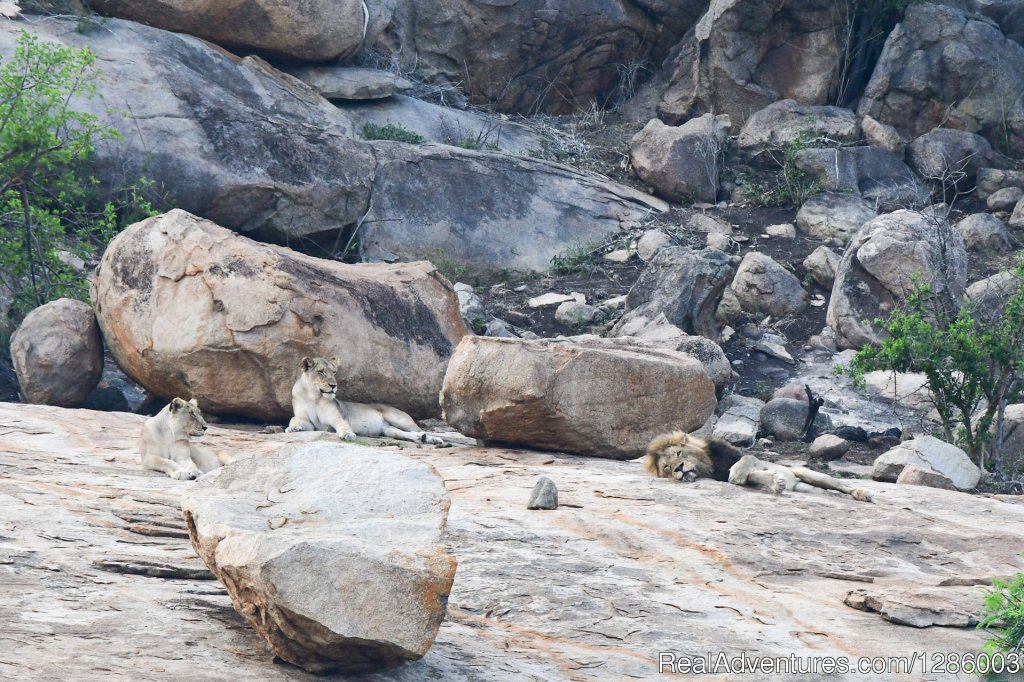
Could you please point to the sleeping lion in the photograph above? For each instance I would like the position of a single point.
(317, 408)
(684, 457)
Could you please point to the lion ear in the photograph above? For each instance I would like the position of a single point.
(335, 361)
(307, 363)
(177, 404)
(194, 402)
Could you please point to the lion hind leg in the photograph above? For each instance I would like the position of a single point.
(296, 424)
(401, 434)
(205, 460)
(397, 419)
(826, 482)
(773, 480)
(169, 467)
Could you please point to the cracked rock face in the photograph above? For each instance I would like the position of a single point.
(189, 308)
(589, 396)
(330, 551)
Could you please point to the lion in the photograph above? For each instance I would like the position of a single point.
(685, 458)
(165, 446)
(317, 408)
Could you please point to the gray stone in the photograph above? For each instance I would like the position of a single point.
(57, 353)
(784, 418)
(821, 265)
(875, 174)
(661, 334)
(1017, 217)
(931, 454)
(684, 285)
(880, 266)
(650, 242)
(983, 232)
(681, 163)
(331, 551)
(950, 158)
(1004, 199)
(952, 607)
(782, 231)
(881, 135)
(989, 296)
(348, 83)
(739, 423)
(833, 216)
(784, 122)
(828, 447)
(913, 474)
(470, 306)
(575, 314)
(991, 180)
(588, 396)
(544, 495)
(764, 286)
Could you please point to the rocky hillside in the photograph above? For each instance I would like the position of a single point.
(556, 231)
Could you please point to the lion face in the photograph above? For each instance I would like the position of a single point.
(321, 374)
(678, 456)
(681, 464)
(187, 418)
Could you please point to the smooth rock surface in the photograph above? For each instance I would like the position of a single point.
(681, 163)
(931, 454)
(828, 447)
(738, 424)
(833, 216)
(913, 474)
(787, 121)
(985, 233)
(57, 353)
(192, 309)
(588, 395)
(347, 83)
(331, 552)
(98, 581)
(762, 285)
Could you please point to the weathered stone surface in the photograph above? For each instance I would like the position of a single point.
(650, 242)
(821, 265)
(881, 135)
(983, 232)
(1017, 217)
(833, 216)
(782, 123)
(1013, 438)
(348, 83)
(764, 286)
(331, 552)
(907, 389)
(57, 353)
(941, 67)
(950, 158)
(533, 209)
(738, 424)
(591, 396)
(931, 454)
(684, 285)
(544, 495)
(784, 419)
(877, 175)
(879, 267)
(828, 447)
(575, 314)
(989, 296)
(951, 606)
(681, 163)
(991, 180)
(1004, 199)
(86, 528)
(317, 30)
(745, 54)
(191, 309)
(913, 474)
(660, 333)
(781, 231)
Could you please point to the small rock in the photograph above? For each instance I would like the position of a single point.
(763, 286)
(882, 135)
(783, 418)
(552, 299)
(650, 243)
(616, 303)
(1004, 199)
(349, 83)
(738, 424)
(784, 231)
(576, 314)
(791, 391)
(828, 447)
(720, 241)
(618, 256)
(774, 349)
(821, 265)
(544, 495)
(983, 232)
(913, 474)
(500, 328)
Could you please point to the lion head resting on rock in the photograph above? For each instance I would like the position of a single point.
(684, 457)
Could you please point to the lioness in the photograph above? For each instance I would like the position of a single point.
(317, 408)
(165, 445)
(684, 457)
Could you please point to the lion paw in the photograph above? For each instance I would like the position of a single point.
(273, 429)
(861, 494)
(186, 474)
(432, 440)
(776, 483)
(348, 436)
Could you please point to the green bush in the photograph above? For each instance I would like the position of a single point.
(52, 210)
(1003, 620)
(391, 131)
(973, 367)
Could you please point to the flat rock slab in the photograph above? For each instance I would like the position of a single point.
(330, 550)
(626, 567)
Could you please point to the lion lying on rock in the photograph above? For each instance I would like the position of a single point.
(317, 408)
(684, 457)
(165, 446)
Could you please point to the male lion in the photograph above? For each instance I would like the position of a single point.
(686, 458)
(317, 408)
(165, 445)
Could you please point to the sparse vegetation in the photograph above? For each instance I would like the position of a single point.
(974, 367)
(391, 131)
(54, 215)
(1003, 620)
(792, 186)
(576, 258)
(453, 269)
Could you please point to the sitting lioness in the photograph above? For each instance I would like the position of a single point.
(684, 457)
(165, 444)
(317, 408)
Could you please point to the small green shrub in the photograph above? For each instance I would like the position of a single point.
(792, 186)
(973, 367)
(391, 131)
(1003, 620)
(576, 258)
(453, 269)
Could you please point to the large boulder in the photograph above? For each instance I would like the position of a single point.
(833, 216)
(880, 266)
(985, 233)
(877, 175)
(988, 297)
(931, 454)
(991, 180)
(317, 30)
(684, 285)
(941, 67)
(57, 353)
(331, 551)
(489, 211)
(784, 419)
(950, 158)
(597, 397)
(681, 163)
(192, 309)
(763, 286)
(536, 55)
(745, 54)
(662, 334)
(821, 265)
(786, 122)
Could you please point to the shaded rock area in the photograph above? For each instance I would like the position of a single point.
(585, 395)
(244, 314)
(330, 551)
(96, 569)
